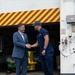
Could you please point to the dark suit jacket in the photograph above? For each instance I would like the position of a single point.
(19, 49)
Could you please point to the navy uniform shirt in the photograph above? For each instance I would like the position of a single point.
(40, 38)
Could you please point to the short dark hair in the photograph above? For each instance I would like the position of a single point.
(19, 25)
(37, 23)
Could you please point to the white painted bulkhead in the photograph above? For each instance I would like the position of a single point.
(67, 7)
(24, 5)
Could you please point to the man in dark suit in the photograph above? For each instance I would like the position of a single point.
(20, 53)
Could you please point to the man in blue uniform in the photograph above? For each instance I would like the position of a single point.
(46, 50)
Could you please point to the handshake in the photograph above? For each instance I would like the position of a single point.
(29, 46)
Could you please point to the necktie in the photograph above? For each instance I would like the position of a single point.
(22, 37)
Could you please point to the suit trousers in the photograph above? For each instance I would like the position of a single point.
(21, 63)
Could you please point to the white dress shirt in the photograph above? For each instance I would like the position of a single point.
(22, 35)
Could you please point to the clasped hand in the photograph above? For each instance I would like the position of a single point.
(28, 46)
